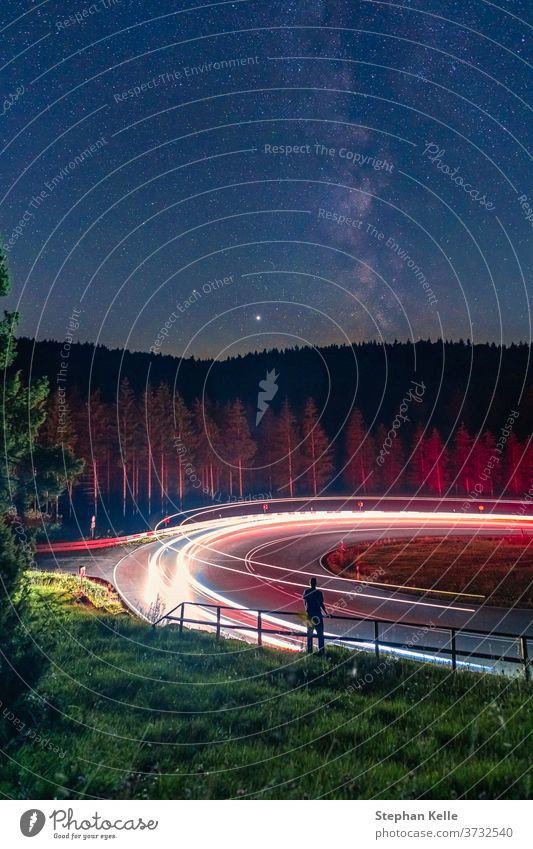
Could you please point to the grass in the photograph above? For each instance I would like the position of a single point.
(61, 586)
(500, 570)
(131, 712)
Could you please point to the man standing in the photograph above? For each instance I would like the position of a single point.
(315, 609)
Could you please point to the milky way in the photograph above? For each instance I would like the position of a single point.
(267, 173)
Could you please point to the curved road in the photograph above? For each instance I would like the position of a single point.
(265, 561)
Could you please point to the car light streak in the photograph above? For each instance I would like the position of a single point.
(195, 561)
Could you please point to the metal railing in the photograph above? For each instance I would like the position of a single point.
(450, 650)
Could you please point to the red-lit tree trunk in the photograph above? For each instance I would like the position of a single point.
(127, 427)
(184, 441)
(391, 472)
(317, 456)
(360, 454)
(463, 460)
(286, 450)
(238, 446)
(148, 438)
(207, 445)
(436, 474)
(514, 465)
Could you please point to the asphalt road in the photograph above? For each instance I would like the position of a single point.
(266, 562)
(234, 558)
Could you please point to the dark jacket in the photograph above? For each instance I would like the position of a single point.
(314, 602)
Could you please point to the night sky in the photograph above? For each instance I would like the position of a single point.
(215, 178)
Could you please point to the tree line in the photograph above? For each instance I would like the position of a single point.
(151, 452)
(474, 383)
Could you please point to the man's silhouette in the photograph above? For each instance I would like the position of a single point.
(314, 607)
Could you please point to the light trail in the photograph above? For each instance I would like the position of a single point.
(264, 561)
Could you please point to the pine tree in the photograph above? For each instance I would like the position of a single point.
(514, 468)
(389, 474)
(58, 428)
(184, 442)
(417, 462)
(128, 438)
(265, 448)
(360, 448)
(163, 415)
(463, 460)
(23, 415)
(492, 468)
(23, 412)
(286, 451)
(317, 455)
(93, 425)
(52, 470)
(436, 458)
(239, 447)
(207, 447)
(22, 409)
(54, 457)
(147, 439)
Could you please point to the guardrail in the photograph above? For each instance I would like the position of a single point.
(451, 650)
(296, 505)
(89, 544)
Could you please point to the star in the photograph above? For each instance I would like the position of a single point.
(382, 101)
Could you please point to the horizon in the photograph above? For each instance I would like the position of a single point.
(279, 350)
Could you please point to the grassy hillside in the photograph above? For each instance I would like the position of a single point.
(500, 570)
(124, 711)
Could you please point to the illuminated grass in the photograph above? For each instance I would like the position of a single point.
(67, 588)
(501, 570)
(143, 713)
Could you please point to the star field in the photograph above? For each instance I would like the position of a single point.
(356, 170)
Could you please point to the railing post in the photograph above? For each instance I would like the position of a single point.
(455, 653)
(525, 657)
(454, 648)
